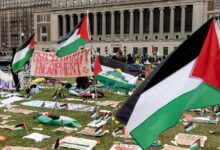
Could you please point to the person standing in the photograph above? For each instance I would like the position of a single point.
(15, 75)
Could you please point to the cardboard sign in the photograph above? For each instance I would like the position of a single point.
(189, 139)
(77, 143)
(125, 147)
(46, 64)
(171, 147)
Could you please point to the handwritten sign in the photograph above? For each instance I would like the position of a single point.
(46, 64)
(189, 139)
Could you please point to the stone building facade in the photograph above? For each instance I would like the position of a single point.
(17, 20)
(132, 26)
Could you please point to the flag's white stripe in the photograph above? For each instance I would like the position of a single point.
(71, 39)
(20, 54)
(131, 79)
(217, 30)
(161, 94)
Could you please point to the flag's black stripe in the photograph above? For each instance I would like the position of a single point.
(65, 37)
(26, 43)
(117, 64)
(184, 54)
(19, 125)
(188, 125)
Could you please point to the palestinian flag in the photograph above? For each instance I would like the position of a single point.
(99, 131)
(119, 131)
(95, 113)
(20, 126)
(189, 127)
(116, 75)
(196, 145)
(188, 79)
(64, 106)
(23, 55)
(71, 42)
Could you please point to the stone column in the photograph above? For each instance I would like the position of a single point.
(141, 24)
(103, 26)
(71, 22)
(95, 26)
(112, 24)
(183, 21)
(172, 22)
(64, 25)
(161, 22)
(151, 22)
(121, 24)
(54, 25)
(131, 24)
(79, 18)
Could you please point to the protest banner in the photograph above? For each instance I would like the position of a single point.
(46, 64)
(6, 81)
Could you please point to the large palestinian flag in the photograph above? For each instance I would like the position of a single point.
(23, 54)
(116, 75)
(71, 42)
(188, 79)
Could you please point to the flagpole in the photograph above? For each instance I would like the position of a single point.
(26, 128)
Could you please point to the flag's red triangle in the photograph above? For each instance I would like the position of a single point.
(97, 66)
(31, 45)
(84, 29)
(207, 66)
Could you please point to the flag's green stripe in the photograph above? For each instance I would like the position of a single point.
(194, 148)
(169, 115)
(20, 64)
(114, 84)
(71, 48)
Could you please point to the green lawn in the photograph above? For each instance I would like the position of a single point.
(15, 137)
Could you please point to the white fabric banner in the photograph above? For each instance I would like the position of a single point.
(6, 81)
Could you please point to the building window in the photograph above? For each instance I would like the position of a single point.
(177, 36)
(98, 50)
(217, 4)
(211, 5)
(146, 20)
(145, 50)
(136, 21)
(166, 21)
(177, 19)
(99, 23)
(43, 29)
(44, 33)
(43, 18)
(135, 50)
(165, 51)
(156, 37)
(126, 22)
(156, 22)
(117, 22)
(188, 18)
(44, 38)
(146, 37)
(108, 22)
(166, 37)
(136, 38)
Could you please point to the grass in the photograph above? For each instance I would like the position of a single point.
(15, 137)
